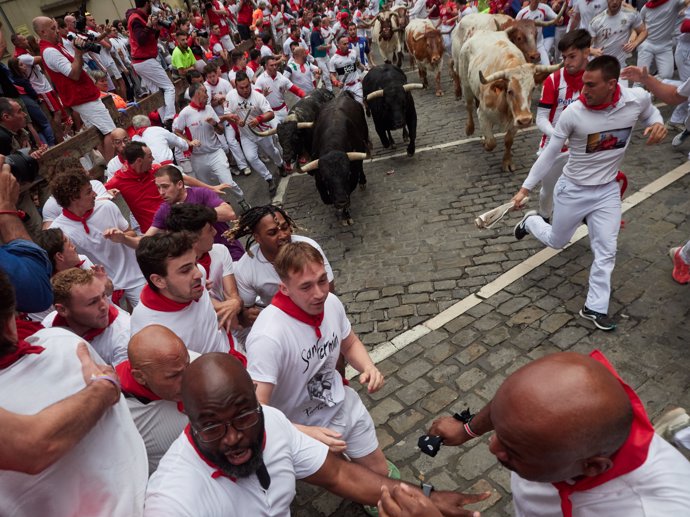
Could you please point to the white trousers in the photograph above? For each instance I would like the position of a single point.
(685, 253)
(251, 153)
(235, 147)
(280, 116)
(659, 54)
(154, 78)
(601, 206)
(356, 89)
(322, 63)
(543, 53)
(213, 168)
(682, 55)
(548, 183)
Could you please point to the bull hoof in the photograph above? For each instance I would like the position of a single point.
(410, 154)
(489, 146)
(350, 222)
(439, 94)
(347, 222)
(469, 129)
(362, 186)
(509, 167)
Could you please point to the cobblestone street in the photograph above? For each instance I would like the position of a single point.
(414, 252)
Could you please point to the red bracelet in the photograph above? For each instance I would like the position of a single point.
(18, 213)
(469, 430)
(259, 119)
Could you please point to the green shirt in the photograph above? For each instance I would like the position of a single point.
(183, 59)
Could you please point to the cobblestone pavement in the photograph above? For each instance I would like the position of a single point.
(413, 251)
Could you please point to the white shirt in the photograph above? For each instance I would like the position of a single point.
(104, 54)
(104, 475)
(183, 487)
(36, 77)
(588, 10)
(257, 278)
(232, 73)
(301, 75)
(161, 142)
(222, 87)
(196, 325)
(221, 266)
(543, 13)
(56, 61)
(112, 343)
(661, 22)
(273, 88)
(201, 130)
(114, 165)
(345, 67)
(660, 487)
(610, 33)
(51, 209)
(597, 139)
(287, 353)
(119, 260)
(256, 105)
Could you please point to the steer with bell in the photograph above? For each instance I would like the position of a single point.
(497, 80)
(389, 99)
(341, 143)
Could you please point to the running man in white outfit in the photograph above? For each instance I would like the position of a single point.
(617, 32)
(559, 90)
(598, 128)
(209, 161)
(539, 12)
(344, 68)
(273, 85)
(251, 112)
(660, 17)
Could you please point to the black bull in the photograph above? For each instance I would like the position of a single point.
(341, 139)
(297, 142)
(390, 101)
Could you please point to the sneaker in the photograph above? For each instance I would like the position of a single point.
(234, 171)
(680, 138)
(244, 206)
(520, 231)
(246, 171)
(669, 427)
(602, 321)
(681, 271)
(675, 126)
(272, 187)
(393, 473)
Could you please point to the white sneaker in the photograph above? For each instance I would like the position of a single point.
(246, 171)
(680, 138)
(674, 427)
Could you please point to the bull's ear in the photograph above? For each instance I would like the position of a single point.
(540, 77)
(499, 86)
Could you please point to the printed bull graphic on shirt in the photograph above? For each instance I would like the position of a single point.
(320, 385)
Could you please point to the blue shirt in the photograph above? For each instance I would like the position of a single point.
(29, 269)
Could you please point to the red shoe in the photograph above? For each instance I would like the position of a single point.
(681, 271)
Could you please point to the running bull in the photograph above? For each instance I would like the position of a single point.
(295, 132)
(425, 43)
(341, 143)
(496, 78)
(389, 99)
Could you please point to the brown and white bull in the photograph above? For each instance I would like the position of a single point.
(387, 34)
(425, 44)
(522, 33)
(497, 79)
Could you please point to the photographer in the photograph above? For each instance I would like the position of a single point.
(73, 84)
(143, 38)
(217, 15)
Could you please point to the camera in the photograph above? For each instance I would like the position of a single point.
(165, 23)
(23, 166)
(85, 45)
(202, 34)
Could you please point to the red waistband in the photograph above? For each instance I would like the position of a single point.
(352, 83)
(283, 105)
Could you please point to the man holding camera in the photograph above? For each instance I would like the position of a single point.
(73, 84)
(143, 31)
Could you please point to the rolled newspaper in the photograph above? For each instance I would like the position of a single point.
(490, 218)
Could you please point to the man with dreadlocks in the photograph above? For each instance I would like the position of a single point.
(269, 228)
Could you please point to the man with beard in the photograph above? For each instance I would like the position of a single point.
(239, 458)
(578, 442)
(175, 296)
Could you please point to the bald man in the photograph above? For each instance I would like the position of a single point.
(578, 442)
(239, 458)
(152, 384)
(120, 140)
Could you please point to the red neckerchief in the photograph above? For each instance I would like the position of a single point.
(629, 457)
(205, 260)
(217, 473)
(302, 68)
(157, 302)
(139, 131)
(654, 3)
(26, 327)
(599, 107)
(21, 51)
(353, 41)
(196, 106)
(574, 81)
(74, 217)
(341, 53)
(236, 69)
(90, 334)
(285, 304)
(21, 349)
(130, 385)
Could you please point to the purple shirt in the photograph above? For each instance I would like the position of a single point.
(202, 196)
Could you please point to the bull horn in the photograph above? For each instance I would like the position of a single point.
(356, 156)
(547, 69)
(540, 23)
(291, 118)
(312, 165)
(502, 74)
(498, 26)
(268, 132)
(376, 94)
(305, 125)
(412, 86)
